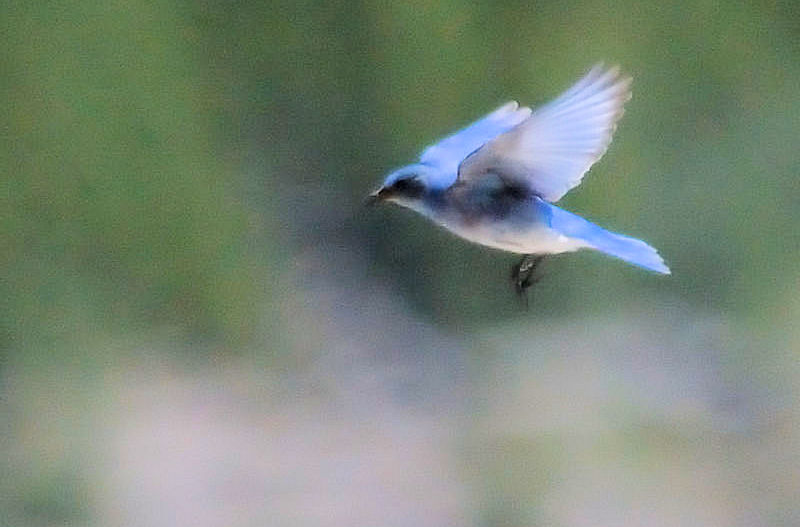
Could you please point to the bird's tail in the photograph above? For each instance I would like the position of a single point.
(623, 247)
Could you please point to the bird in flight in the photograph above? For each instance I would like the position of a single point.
(494, 182)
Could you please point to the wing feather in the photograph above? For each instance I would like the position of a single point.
(447, 154)
(550, 151)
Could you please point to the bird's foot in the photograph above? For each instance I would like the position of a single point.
(522, 275)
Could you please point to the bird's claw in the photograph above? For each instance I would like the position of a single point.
(522, 275)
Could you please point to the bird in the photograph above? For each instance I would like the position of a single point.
(495, 181)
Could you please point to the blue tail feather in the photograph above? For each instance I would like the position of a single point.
(625, 248)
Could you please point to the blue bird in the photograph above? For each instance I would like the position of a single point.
(495, 182)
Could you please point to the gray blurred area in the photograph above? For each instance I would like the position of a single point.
(202, 325)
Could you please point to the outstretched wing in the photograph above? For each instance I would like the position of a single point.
(447, 154)
(551, 150)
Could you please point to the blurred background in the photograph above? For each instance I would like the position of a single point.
(201, 325)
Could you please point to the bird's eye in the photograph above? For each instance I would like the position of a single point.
(408, 187)
(402, 184)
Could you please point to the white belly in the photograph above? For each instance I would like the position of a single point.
(538, 239)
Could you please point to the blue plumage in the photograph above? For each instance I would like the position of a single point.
(494, 182)
(625, 248)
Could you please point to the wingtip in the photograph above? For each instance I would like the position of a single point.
(505, 109)
(658, 264)
(512, 112)
(612, 74)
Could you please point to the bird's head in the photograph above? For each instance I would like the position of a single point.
(405, 186)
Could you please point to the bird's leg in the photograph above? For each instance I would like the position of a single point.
(522, 275)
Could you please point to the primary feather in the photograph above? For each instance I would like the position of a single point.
(550, 151)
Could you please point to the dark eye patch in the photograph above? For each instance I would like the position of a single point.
(401, 184)
(410, 187)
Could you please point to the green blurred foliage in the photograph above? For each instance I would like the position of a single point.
(120, 206)
(149, 146)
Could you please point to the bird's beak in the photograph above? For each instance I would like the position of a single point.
(376, 197)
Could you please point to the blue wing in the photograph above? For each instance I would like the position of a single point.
(446, 155)
(552, 150)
